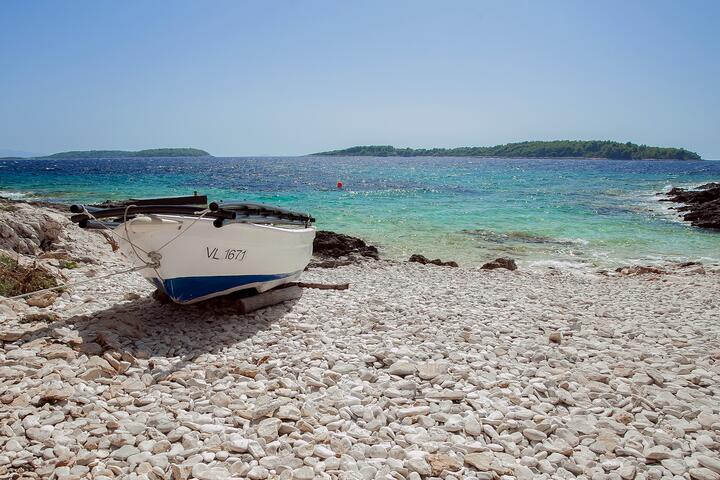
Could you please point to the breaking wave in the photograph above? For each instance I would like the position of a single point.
(14, 195)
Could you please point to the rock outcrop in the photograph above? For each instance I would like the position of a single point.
(424, 260)
(683, 268)
(701, 206)
(501, 262)
(336, 245)
(28, 230)
(640, 270)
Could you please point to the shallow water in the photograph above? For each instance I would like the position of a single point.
(584, 213)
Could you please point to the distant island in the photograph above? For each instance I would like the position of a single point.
(550, 149)
(154, 152)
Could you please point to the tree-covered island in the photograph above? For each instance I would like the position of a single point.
(154, 152)
(538, 149)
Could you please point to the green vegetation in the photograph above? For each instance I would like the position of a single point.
(68, 264)
(155, 152)
(551, 149)
(16, 279)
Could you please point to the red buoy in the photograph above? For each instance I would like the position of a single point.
(339, 184)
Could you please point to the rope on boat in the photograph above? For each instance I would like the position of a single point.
(155, 256)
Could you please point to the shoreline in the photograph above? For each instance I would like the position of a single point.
(416, 371)
(513, 158)
(538, 262)
(369, 156)
(599, 217)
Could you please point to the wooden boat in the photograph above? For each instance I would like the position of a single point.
(193, 251)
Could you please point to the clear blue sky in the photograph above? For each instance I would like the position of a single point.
(294, 77)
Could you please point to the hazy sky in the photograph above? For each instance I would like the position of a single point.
(294, 77)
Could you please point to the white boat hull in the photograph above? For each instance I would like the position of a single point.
(205, 261)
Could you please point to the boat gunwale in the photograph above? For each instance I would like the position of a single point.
(263, 223)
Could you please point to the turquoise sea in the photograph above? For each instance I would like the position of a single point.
(577, 213)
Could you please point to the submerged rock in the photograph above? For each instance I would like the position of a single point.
(520, 237)
(501, 262)
(424, 260)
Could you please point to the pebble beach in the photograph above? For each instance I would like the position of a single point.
(414, 372)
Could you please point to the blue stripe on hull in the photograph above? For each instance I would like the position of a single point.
(185, 289)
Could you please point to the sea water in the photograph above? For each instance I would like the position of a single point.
(574, 213)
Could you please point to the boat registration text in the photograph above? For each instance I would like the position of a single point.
(236, 255)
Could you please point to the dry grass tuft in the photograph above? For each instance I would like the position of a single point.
(16, 279)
